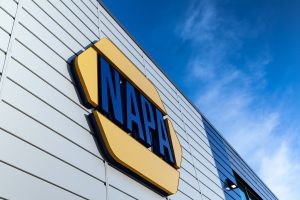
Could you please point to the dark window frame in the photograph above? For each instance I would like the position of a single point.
(250, 193)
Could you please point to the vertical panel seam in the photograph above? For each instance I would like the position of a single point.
(105, 162)
(188, 140)
(145, 72)
(99, 20)
(9, 48)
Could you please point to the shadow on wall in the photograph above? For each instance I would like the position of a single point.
(79, 91)
(73, 76)
(222, 162)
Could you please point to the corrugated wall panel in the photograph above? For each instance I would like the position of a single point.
(129, 186)
(115, 193)
(9, 6)
(29, 186)
(36, 133)
(2, 59)
(48, 167)
(4, 40)
(6, 21)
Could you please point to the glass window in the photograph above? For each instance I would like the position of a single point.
(252, 196)
(246, 192)
(243, 194)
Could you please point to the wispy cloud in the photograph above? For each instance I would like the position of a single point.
(281, 171)
(233, 94)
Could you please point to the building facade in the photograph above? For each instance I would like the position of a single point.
(48, 148)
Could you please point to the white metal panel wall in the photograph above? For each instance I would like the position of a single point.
(46, 142)
(8, 10)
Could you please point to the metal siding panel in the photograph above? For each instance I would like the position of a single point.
(199, 153)
(9, 6)
(66, 7)
(188, 114)
(86, 22)
(189, 190)
(184, 101)
(130, 186)
(4, 40)
(216, 187)
(201, 160)
(187, 164)
(167, 95)
(187, 177)
(90, 12)
(36, 134)
(48, 167)
(94, 2)
(48, 94)
(168, 99)
(44, 52)
(196, 130)
(198, 143)
(212, 173)
(208, 175)
(6, 22)
(65, 35)
(25, 184)
(115, 194)
(40, 68)
(40, 32)
(180, 196)
(194, 119)
(45, 114)
(205, 198)
(209, 193)
(2, 59)
(184, 143)
(180, 131)
(65, 22)
(175, 118)
(92, 5)
(172, 110)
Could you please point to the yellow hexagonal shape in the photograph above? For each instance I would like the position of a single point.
(120, 148)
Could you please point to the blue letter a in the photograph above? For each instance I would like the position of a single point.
(164, 144)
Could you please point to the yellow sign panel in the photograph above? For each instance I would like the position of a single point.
(128, 116)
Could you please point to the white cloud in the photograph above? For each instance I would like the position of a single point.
(201, 21)
(281, 171)
(234, 97)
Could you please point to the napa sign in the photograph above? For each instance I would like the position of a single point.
(130, 120)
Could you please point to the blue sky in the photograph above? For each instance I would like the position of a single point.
(239, 62)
